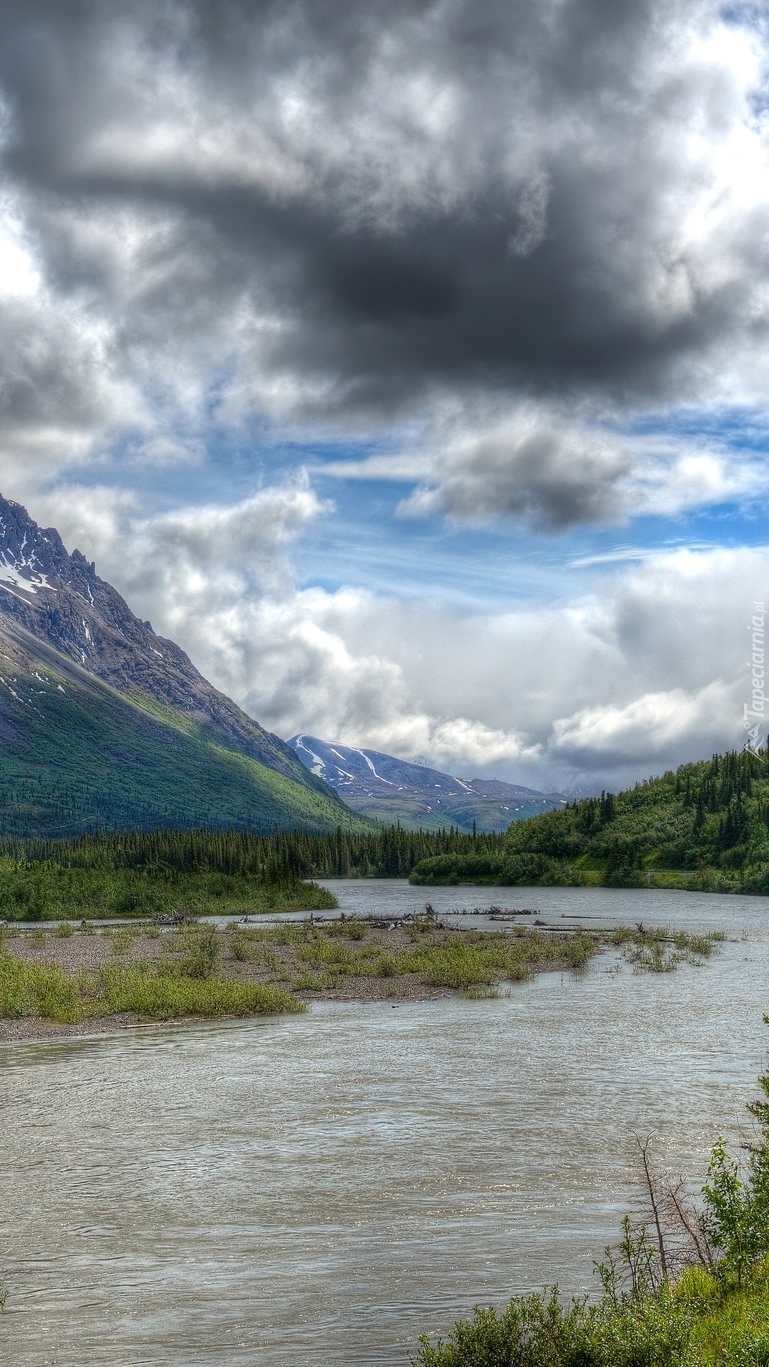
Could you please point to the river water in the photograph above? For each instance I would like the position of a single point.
(319, 1190)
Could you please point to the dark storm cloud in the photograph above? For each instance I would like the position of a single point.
(416, 196)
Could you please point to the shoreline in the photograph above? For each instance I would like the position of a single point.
(36, 1029)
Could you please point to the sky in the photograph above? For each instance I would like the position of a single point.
(408, 364)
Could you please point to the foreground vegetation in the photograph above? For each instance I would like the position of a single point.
(183, 981)
(342, 955)
(73, 976)
(687, 1287)
(703, 827)
(53, 994)
(425, 955)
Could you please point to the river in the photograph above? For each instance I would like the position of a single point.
(316, 1191)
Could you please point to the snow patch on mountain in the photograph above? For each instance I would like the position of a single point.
(24, 575)
(370, 764)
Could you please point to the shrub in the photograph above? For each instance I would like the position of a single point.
(41, 990)
(537, 1331)
(200, 952)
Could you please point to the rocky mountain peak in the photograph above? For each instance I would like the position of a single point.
(30, 558)
(60, 596)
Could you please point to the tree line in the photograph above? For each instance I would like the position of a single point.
(387, 852)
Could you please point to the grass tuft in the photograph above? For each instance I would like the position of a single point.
(48, 992)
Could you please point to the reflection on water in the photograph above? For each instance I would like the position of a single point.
(320, 1190)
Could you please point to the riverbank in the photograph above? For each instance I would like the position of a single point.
(68, 982)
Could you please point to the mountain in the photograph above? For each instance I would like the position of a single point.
(391, 790)
(104, 724)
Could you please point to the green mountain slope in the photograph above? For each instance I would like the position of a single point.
(77, 754)
(705, 826)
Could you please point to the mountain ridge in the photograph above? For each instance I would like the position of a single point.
(379, 785)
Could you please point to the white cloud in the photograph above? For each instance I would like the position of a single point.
(650, 726)
(201, 562)
(60, 385)
(19, 272)
(92, 518)
(652, 671)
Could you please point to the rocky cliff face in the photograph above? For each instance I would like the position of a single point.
(60, 600)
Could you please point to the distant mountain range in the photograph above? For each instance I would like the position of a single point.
(389, 789)
(104, 724)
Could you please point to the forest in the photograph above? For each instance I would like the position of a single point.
(704, 826)
(140, 873)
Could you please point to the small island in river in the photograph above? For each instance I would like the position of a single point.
(65, 981)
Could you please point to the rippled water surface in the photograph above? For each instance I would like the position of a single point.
(319, 1190)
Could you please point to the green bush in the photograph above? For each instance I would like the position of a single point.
(28, 989)
(449, 869)
(199, 952)
(537, 1331)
